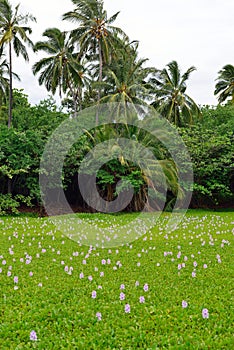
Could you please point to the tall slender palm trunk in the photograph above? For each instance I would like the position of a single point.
(10, 87)
(99, 79)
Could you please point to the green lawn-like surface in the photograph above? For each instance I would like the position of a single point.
(147, 294)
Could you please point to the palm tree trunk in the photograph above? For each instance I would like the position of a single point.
(99, 79)
(100, 63)
(10, 87)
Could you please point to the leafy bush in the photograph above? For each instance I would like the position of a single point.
(10, 205)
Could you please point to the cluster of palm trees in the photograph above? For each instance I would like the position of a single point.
(96, 62)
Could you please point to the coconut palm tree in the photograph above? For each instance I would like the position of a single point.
(95, 33)
(225, 85)
(61, 69)
(125, 79)
(14, 33)
(171, 101)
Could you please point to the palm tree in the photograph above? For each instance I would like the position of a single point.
(171, 100)
(131, 163)
(61, 69)
(126, 78)
(95, 33)
(13, 32)
(225, 85)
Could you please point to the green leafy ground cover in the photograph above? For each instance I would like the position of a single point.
(163, 291)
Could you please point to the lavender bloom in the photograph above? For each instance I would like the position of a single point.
(94, 294)
(184, 304)
(205, 313)
(122, 296)
(99, 316)
(127, 308)
(33, 335)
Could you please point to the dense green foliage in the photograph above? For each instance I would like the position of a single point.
(209, 142)
(94, 63)
(211, 146)
(77, 297)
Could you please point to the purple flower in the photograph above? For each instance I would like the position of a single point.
(122, 296)
(205, 313)
(94, 294)
(184, 304)
(193, 274)
(146, 287)
(16, 279)
(81, 275)
(141, 299)
(137, 283)
(127, 308)
(122, 286)
(99, 316)
(33, 335)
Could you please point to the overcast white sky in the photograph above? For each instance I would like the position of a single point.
(192, 32)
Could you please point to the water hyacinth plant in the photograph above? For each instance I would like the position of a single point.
(57, 294)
